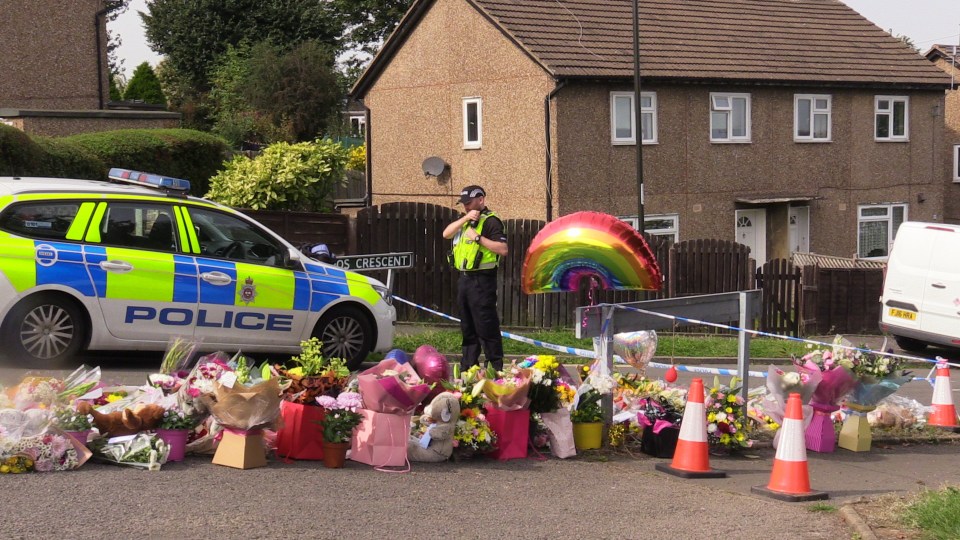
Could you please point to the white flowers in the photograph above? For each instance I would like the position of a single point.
(791, 379)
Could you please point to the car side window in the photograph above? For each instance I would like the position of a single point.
(138, 226)
(42, 220)
(225, 236)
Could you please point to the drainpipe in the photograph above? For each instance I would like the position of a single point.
(96, 23)
(549, 160)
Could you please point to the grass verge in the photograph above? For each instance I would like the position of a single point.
(669, 344)
(936, 513)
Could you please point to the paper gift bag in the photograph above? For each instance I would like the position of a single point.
(560, 433)
(513, 432)
(301, 436)
(662, 444)
(381, 439)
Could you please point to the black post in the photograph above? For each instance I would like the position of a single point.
(638, 129)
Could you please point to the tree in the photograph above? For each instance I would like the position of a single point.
(193, 35)
(116, 86)
(906, 40)
(366, 23)
(299, 87)
(145, 86)
(113, 9)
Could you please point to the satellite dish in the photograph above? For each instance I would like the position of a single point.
(434, 166)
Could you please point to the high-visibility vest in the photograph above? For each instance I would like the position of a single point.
(469, 255)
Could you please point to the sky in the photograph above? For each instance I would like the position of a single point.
(924, 21)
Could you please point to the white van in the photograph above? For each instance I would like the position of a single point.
(920, 305)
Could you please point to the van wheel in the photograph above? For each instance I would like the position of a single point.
(346, 333)
(44, 330)
(910, 344)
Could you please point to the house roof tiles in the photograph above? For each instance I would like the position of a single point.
(817, 42)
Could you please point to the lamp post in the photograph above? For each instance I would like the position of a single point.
(638, 115)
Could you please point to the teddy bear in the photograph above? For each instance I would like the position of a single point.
(440, 417)
(125, 422)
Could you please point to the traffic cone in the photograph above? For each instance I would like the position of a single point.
(691, 458)
(790, 480)
(944, 414)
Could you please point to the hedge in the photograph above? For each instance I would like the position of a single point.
(181, 153)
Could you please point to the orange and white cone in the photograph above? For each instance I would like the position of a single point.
(944, 414)
(691, 459)
(790, 479)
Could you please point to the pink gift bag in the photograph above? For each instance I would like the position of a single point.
(381, 439)
(513, 432)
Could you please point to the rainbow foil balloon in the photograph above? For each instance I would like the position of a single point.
(589, 244)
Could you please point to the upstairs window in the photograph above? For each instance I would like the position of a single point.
(358, 125)
(665, 225)
(472, 123)
(729, 117)
(811, 119)
(891, 118)
(623, 114)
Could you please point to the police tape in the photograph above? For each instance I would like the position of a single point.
(691, 369)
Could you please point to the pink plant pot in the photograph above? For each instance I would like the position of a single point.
(81, 436)
(176, 439)
(820, 434)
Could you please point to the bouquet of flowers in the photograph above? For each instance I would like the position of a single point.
(341, 416)
(175, 418)
(49, 392)
(837, 379)
(878, 376)
(473, 433)
(312, 375)
(68, 419)
(143, 450)
(780, 384)
(544, 377)
(510, 390)
(726, 416)
(29, 441)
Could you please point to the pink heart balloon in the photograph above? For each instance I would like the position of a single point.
(430, 364)
(637, 348)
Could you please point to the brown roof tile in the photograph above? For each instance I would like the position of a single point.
(817, 41)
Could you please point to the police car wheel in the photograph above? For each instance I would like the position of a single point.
(346, 333)
(44, 330)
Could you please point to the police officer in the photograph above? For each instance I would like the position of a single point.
(479, 242)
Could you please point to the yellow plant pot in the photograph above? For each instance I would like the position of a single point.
(587, 435)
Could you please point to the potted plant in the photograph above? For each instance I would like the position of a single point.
(74, 424)
(174, 429)
(587, 420)
(339, 420)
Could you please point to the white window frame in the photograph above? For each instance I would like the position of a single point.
(715, 107)
(673, 232)
(878, 113)
(478, 143)
(361, 124)
(814, 112)
(891, 230)
(956, 163)
(650, 111)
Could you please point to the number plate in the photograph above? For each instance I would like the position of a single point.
(903, 314)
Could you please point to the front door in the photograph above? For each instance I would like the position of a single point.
(799, 229)
(751, 226)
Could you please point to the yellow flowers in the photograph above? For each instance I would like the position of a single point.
(16, 465)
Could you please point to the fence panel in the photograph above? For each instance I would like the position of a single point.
(300, 228)
(780, 282)
(848, 300)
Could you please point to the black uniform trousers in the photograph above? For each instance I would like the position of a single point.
(479, 322)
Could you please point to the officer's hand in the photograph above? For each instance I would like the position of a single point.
(473, 215)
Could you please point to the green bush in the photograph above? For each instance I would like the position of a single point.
(19, 155)
(65, 159)
(181, 153)
(285, 176)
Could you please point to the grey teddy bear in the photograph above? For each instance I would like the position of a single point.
(440, 417)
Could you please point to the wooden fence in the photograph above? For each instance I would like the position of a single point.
(796, 301)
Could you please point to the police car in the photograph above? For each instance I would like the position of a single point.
(128, 264)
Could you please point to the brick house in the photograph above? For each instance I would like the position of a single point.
(787, 126)
(53, 70)
(947, 58)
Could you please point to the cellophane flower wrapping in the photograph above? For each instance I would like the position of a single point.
(180, 355)
(473, 434)
(544, 378)
(803, 380)
(391, 387)
(726, 416)
(144, 451)
(878, 376)
(51, 392)
(246, 408)
(30, 442)
(202, 380)
(510, 390)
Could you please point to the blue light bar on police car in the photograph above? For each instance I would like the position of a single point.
(155, 180)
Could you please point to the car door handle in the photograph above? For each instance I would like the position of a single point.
(116, 266)
(216, 278)
(938, 285)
